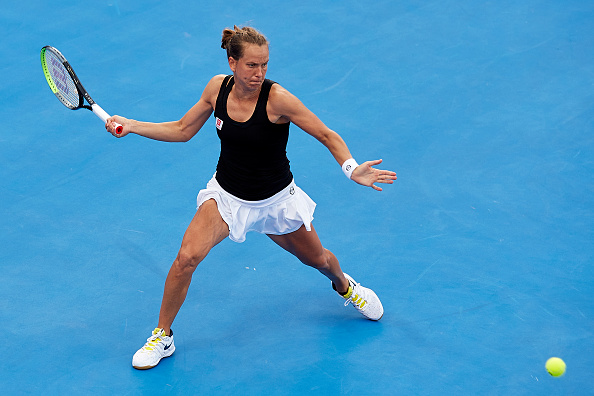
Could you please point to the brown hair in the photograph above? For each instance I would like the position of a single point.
(234, 39)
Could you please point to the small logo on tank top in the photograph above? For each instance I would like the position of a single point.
(219, 123)
(292, 190)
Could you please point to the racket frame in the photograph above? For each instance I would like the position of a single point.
(82, 92)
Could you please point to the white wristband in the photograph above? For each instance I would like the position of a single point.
(349, 166)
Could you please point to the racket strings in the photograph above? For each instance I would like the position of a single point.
(62, 80)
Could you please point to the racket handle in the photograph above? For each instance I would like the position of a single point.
(99, 112)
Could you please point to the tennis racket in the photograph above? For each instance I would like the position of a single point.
(66, 86)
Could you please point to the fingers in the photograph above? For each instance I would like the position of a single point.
(374, 162)
(384, 181)
(367, 175)
(381, 172)
(111, 125)
(388, 175)
(385, 177)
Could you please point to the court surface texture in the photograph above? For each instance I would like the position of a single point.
(481, 252)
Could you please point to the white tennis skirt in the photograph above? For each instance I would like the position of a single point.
(283, 213)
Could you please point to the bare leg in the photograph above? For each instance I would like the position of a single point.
(306, 246)
(206, 230)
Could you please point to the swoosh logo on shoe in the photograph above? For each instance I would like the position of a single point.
(167, 347)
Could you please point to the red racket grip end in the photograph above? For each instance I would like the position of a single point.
(119, 128)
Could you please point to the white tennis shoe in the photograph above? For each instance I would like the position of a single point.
(363, 299)
(157, 347)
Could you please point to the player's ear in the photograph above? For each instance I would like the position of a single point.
(232, 63)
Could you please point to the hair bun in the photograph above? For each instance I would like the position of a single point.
(234, 39)
(227, 36)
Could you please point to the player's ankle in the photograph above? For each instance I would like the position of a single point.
(166, 330)
(342, 290)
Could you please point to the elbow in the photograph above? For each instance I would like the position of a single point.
(329, 138)
(184, 134)
(184, 138)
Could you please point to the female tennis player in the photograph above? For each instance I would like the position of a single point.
(253, 187)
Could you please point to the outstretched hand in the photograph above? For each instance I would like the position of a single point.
(366, 175)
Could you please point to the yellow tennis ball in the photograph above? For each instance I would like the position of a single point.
(555, 366)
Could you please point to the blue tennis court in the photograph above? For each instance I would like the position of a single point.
(481, 252)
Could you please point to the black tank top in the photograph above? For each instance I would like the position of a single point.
(253, 164)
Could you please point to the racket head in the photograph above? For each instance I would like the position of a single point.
(56, 71)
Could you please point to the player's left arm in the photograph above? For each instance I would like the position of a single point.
(283, 104)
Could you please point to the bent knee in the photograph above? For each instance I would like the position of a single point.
(188, 260)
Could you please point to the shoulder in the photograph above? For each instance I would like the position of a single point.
(212, 89)
(283, 103)
(276, 90)
(281, 99)
(216, 81)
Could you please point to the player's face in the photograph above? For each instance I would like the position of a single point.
(250, 69)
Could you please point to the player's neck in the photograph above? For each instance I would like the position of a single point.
(244, 93)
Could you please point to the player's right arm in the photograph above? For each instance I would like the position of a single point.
(173, 131)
